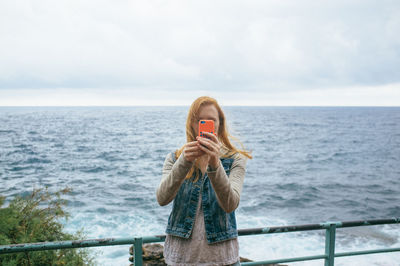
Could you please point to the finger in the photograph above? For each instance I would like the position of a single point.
(192, 143)
(207, 151)
(208, 143)
(194, 154)
(191, 148)
(194, 148)
(210, 147)
(196, 151)
(212, 136)
(207, 140)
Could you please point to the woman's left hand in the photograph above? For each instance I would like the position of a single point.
(210, 146)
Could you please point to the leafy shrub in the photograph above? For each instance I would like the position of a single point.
(36, 218)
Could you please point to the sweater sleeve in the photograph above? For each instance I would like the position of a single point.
(173, 175)
(228, 188)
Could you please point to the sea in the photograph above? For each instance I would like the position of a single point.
(310, 165)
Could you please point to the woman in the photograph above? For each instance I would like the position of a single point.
(204, 178)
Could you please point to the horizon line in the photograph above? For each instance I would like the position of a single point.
(1, 106)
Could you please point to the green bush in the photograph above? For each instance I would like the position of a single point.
(36, 218)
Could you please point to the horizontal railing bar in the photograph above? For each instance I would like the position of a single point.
(153, 239)
(160, 238)
(315, 257)
(279, 229)
(370, 222)
(65, 244)
(366, 252)
(310, 227)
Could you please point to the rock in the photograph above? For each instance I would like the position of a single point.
(153, 256)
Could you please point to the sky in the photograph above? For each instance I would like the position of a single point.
(267, 52)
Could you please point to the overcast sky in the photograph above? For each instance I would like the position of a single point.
(267, 52)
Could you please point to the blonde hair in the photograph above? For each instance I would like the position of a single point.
(223, 134)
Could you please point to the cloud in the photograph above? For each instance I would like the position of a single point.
(259, 46)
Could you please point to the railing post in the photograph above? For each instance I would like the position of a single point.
(330, 236)
(138, 258)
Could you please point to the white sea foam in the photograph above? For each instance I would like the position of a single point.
(300, 244)
(136, 223)
(255, 247)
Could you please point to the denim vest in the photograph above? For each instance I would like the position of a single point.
(219, 225)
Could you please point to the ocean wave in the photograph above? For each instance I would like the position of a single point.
(32, 160)
(95, 169)
(8, 132)
(24, 151)
(102, 210)
(83, 149)
(76, 203)
(36, 160)
(22, 146)
(346, 203)
(134, 199)
(393, 211)
(308, 125)
(110, 156)
(76, 181)
(289, 187)
(334, 186)
(23, 168)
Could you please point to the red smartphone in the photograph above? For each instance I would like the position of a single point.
(206, 126)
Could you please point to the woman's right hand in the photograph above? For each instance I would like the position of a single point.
(192, 151)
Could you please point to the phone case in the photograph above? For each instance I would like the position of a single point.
(206, 126)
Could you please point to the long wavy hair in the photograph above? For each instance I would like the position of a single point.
(222, 134)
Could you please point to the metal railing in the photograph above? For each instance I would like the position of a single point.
(329, 227)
